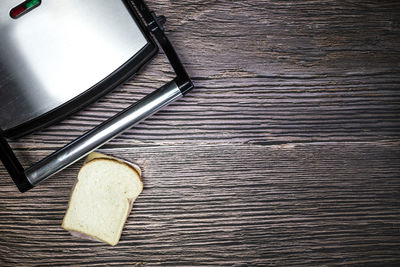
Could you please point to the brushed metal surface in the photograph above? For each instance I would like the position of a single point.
(95, 138)
(58, 51)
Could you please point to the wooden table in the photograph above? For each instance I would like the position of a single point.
(286, 153)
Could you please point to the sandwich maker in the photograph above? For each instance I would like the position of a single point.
(56, 57)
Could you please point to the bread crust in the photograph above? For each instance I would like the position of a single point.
(95, 156)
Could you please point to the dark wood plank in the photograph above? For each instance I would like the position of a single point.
(297, 204)
(286, 153)
(266, 71)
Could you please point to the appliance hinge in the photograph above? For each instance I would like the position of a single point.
(157, 22)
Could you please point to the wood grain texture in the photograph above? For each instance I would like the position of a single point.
(227, 204)
(266, 71)
(286, 153)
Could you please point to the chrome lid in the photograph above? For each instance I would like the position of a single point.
(58, 51)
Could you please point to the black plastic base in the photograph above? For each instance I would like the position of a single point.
(13, 166)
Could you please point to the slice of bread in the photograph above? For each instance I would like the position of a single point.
(102, 198)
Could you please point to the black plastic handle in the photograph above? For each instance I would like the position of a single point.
(13, 166)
